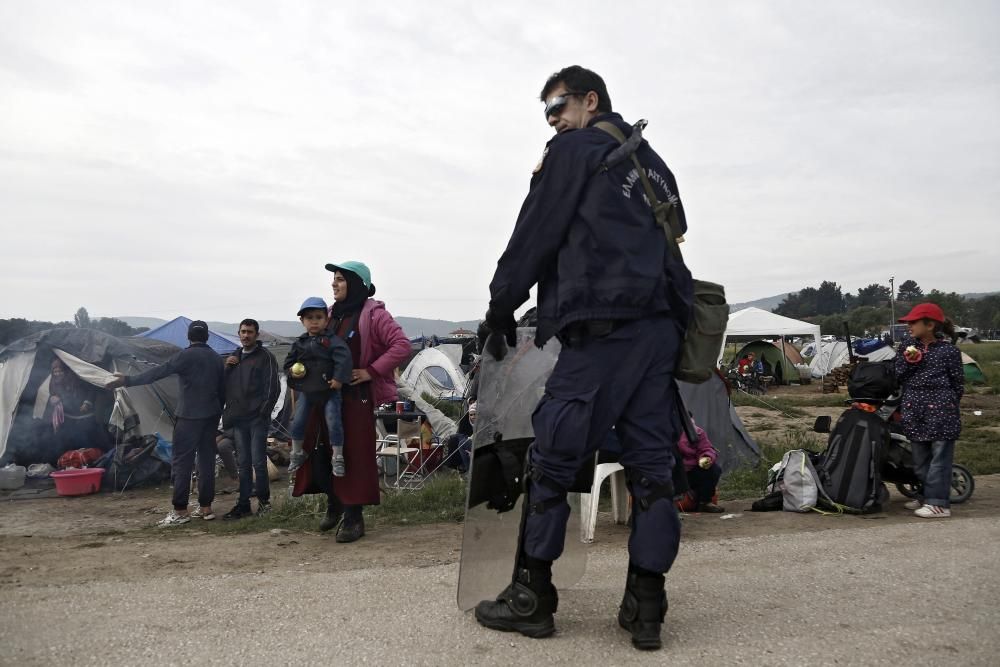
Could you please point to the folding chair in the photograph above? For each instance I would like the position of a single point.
(395, 446)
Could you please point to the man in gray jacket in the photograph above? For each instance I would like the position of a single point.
(202, 396)
(251, 392)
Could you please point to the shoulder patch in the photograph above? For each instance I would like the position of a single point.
(541, 161)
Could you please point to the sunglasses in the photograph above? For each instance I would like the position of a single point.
(558, 103)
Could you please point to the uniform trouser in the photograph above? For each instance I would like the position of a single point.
(194, 436)
(251, 447)
(624, 380)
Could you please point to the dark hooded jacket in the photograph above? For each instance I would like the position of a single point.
(252, 385)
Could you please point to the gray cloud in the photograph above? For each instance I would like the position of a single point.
(170, 159)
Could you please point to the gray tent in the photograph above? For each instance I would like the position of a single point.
(24, 376)
(709, 403)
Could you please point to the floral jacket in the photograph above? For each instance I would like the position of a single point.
(932, 387)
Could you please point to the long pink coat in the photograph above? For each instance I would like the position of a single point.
(384, 346)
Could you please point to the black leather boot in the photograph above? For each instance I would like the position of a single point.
(643, 609)
(334, 511)
(526, 606)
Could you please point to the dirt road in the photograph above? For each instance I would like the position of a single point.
(87, 581)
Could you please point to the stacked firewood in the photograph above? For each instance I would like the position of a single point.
(837, 378)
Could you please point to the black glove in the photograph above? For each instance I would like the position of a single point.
(494, 331)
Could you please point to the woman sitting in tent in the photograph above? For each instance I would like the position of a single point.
(70, 412)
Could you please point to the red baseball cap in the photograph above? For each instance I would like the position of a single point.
(924, 311)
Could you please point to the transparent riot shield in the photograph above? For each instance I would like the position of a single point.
(509, 390)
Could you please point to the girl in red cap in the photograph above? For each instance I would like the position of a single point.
(929, 369)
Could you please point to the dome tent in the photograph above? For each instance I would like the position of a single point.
(176, 330)
(778, 364)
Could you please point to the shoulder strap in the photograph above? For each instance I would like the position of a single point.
(664, 212)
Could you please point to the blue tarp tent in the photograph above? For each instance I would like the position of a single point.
(176, 331)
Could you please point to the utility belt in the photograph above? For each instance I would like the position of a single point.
(577, 333)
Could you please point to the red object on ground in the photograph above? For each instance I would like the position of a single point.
(686, 502)
(80, 482)
(78, 458)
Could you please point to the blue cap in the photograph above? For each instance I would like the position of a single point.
(357, 268)
(312, 303)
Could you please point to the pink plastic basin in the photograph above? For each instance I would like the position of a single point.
(77, 482)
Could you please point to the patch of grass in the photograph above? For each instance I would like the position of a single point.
(818, 400)
(987, 355)
(783, 405)
(978, 449)
(441, 500)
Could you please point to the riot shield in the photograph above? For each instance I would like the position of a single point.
(509, 390)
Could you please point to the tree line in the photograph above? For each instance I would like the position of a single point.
(873, 307)
(17, 328)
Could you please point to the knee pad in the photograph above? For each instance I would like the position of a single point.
(646, 491)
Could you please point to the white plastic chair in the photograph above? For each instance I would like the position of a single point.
(589, 501)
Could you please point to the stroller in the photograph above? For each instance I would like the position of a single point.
(872, 387)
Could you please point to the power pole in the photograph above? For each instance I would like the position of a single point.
(892, 306)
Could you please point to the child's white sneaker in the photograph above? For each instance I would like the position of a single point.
(339, 469)
(913, 504)
(933, 512)
(295, 461)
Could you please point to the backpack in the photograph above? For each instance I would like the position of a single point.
(873, 380)
(800, 485)
(851, 464)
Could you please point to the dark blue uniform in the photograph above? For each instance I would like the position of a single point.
(617, 298)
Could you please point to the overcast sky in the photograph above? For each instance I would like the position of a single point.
(207, 159)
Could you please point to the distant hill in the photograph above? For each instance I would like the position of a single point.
(412, 326)
(767, 303)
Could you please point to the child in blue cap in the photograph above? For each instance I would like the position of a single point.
(317, 366)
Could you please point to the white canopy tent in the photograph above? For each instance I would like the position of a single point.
(756, 323)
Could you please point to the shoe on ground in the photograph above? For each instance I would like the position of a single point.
(295, 461)
(236, 513)
(339, 470)
(174, 519)
(351, 532)
(263, 508)
(933, 512)
(331, 520)
(520, 608)
(202, 513)
(643, 610)
(913, 504)
(711, 508)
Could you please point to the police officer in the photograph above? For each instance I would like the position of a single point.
(618, 301)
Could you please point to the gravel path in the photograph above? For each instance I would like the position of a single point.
(916, 593)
